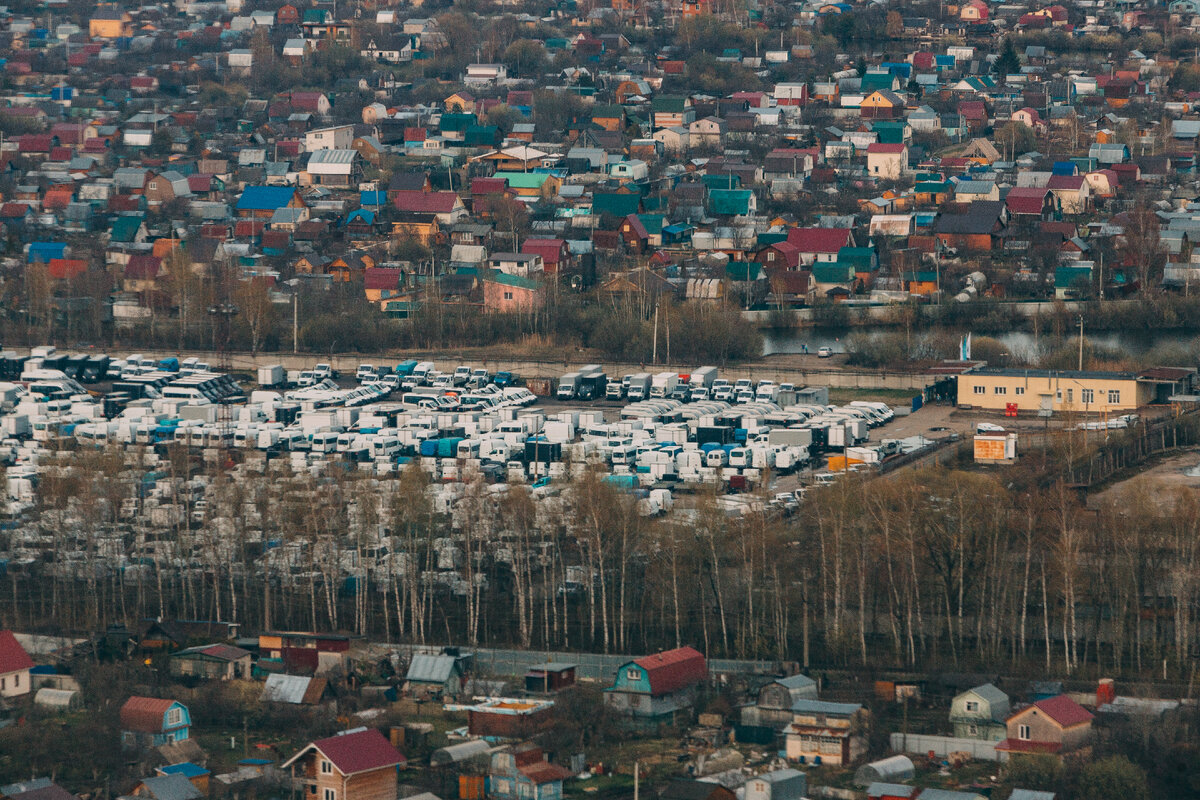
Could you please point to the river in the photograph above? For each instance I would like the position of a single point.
(1023, 345)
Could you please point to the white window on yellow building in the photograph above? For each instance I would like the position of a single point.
(1114, 397)
(1087, 396)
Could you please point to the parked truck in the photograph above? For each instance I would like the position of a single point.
(639, 387)
(568, 385)
(703, 377)
(271, 376)
(664, 384)
(591, 386)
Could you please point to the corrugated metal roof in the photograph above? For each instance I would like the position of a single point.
(285, 689)
(332, 157)
(430, 669)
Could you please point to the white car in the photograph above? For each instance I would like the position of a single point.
(824, 352)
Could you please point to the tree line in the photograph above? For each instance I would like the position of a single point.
(940, 569)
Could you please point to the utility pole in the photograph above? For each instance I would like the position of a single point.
(295, 322)
(654, 347)
(1081, 342)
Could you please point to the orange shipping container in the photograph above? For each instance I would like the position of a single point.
(470, 787)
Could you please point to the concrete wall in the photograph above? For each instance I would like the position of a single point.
(944, 745)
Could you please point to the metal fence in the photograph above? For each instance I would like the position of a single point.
(942, 746)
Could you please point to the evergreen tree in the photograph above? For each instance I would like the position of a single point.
(1008, 62)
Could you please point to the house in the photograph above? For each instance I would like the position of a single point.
(435, 675)
(976, 229)
(555, 253)
(522, 264)
(328, 167)
(219, 661)
(980, 713)
(337, 137)
(151, 722)
(656, 687)
(1072, 192)
(707, 132)
(779, 784)
(523, 773)
(261, 202)
(36, 789)
(887, 161)
(446, 207)
(882, 104)
(293, 651)
(167, 787)
(1054, 725)
(685, 789)
(110, 22)
(358, 764)
(1032, 201)
(672, 112)
(549, 677)
(820, 244)
(826, 733)
(15, 665)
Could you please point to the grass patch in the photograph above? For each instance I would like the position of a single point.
(893, 397)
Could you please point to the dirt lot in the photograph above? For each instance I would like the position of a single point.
(1164, 476)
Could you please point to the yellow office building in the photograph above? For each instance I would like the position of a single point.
(1069, 391)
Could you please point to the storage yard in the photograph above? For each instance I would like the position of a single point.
(661, 435)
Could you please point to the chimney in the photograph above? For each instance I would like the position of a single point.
(1106, 692)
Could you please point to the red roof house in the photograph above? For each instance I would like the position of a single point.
(554, 252)
(656, 687)
(353, 765)
(820, 244)
(15, 664)
(1048, 726)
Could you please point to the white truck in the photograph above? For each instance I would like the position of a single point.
(664, 384)
(639, 387)
(567, 386)
(271, 376)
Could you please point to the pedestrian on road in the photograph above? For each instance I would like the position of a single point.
(804, 348)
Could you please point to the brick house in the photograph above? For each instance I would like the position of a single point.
(353, 765)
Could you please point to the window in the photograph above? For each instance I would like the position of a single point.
(633, 674)
(175, 716)
(1087, 396)
(1114, 396)
(972, 730)
(979, 389)
(999, 390)
(1058, 395)
(1019, 390)
(1023, 733)
(326, 767)
(1070, 395)
(972, 706)
(508, 295)
(331, 794)
(3, 684)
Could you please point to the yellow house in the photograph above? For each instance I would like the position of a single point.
(110, 22)
(1061, 391)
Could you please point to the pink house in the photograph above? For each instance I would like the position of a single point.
(507, 294)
